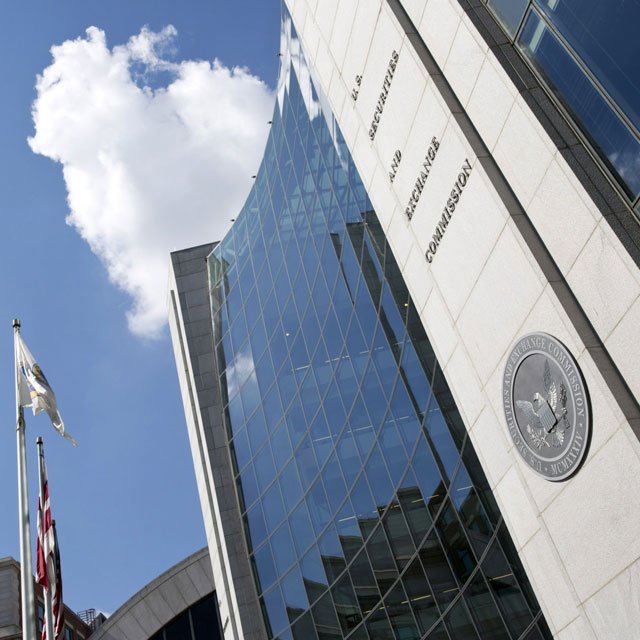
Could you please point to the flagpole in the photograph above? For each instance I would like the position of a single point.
(48, 605)
(26, 570)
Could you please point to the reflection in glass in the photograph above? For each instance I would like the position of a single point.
(605, 37)
(179, 628)
(610, 136)
(509, 12)
(364, 508)
(400, 615)
(199, 622)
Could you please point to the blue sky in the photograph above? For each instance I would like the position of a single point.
(125, 501)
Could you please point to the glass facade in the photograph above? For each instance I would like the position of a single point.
(587, 52)
(198, 622)
(366, 512)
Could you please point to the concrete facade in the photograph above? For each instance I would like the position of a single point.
(175, 590)
(191, 329)
(528, 249)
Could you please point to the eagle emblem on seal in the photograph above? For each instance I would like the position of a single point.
(546, 414)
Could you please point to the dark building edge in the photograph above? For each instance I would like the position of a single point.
(192, 286)
(596, 184)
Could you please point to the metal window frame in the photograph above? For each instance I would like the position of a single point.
(580, 131)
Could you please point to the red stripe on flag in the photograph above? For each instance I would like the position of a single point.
(48, 572)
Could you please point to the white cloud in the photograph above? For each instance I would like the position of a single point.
(148, 169)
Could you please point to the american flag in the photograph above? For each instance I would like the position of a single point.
(48, 572)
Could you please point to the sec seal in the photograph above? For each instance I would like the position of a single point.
(546, 405)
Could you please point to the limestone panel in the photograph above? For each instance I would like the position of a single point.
(465, 59)
(544, 567)
(494, 296)
(442, 330)
(465, 385)
(343, 26)
(566, 221)
(438, 27)
(516, 503)
(490, 102)
(594, 529)
(623, 343)
(612, 612)
(605, 283)
(520, 139)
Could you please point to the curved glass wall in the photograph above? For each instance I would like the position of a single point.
(366, 512)
(587, 53)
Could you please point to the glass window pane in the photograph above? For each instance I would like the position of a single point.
(505, 590)
(281, 446)
(364, 582)
(276, 612)
(326, 620)
(378, 625)
(273, 507)
(459, 623)
(240, 449)
(605, 36)
(304, 629)
(400, 616)
(346, 604)
(394, 453)
(618, 147)
(257, 529)
(444, 447)
(471, 512)
(313, 574)
(509, 12)
(428, 477)
(318, 506)
(455, 544)
(484, 611)
(363, 503)
(264, 468)
(379, 480)
(290, 485)
(247, 488)
(384, 567)
(283, 550)
(301, 529)
(179, 628)
(398, 535)
(295, 598)
(348, 531)
(204, 617)
(331, 551)
(419, 596)
(414, 508)
(434, 562)
(334, 483)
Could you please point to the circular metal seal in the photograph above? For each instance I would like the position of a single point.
(546, 405)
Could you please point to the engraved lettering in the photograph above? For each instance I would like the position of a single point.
(386, 85)
(422, 178)
(395, 163)
(450, 206)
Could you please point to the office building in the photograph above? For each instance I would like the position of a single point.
(409, 369)
(75, 628)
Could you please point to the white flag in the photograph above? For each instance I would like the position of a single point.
(35, 391)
